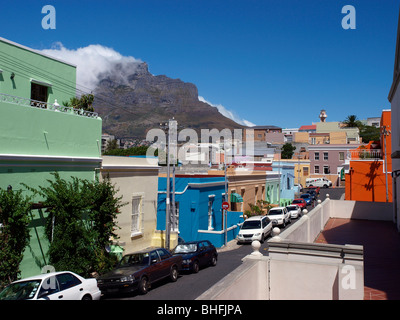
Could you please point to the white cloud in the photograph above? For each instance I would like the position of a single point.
(93, 61)
(229, 114)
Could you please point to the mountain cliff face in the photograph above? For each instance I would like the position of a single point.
(131, 104)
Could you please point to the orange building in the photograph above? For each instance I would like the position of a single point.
(369, 177)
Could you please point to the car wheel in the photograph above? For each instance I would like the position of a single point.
(214, 260)
(144, 285)
(173, 275)
(87, 297)
(195, 267)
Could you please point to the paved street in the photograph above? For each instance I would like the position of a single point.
(190, 286)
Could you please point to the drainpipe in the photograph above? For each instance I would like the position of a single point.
(395, 175)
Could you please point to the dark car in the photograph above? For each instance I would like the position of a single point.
(196, 254)
(313, 194)
(139, 270)
(307, 197)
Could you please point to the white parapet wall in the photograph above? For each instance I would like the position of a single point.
(298, 268)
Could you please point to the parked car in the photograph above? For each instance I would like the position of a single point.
(313, 194)
(307, 198)
(300, 202)
(63, 285)
(255, 228)
(139, 270)
(294, 211)
(279, 216)
(196, 254)
(316, 189)
(318, 182)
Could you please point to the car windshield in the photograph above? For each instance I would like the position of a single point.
(20, 291)
(305, 196)
(135, 259)
(291, 207)
(186, 248)
(276, 211)
(252, 224)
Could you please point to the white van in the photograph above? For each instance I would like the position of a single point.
(255, 228)
(318, 182)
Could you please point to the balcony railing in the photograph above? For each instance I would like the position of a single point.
(44, 105)
(365, 154)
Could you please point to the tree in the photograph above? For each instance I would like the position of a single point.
(80, 224)
(352, 122)
(85, 102)
(14, 233)
(287, 151)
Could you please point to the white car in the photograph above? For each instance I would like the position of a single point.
(63, 285)
(294, 211)
(255, 228)
(279, 216)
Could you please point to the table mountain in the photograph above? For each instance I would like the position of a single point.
(131, 104)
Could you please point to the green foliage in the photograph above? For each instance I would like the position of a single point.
(135, 151)
(85, 102)
(369, 133)
(14, 233)
(258, 209)
(287, 151)
(352, 122)
(80, 224)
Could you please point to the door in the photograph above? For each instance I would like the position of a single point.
(70, 287)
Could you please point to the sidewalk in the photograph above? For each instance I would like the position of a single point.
(231, 245)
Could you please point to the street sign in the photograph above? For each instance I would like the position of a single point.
(225, 205)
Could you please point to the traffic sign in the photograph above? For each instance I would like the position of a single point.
(225, 205)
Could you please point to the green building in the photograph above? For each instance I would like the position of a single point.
(38, 136)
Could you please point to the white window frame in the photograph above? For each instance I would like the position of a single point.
(137, 217)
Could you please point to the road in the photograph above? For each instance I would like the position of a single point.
(190, 286)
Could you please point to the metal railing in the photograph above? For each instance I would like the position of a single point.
(44, 105)
(365, 154)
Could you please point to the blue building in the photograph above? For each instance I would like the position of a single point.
(199, 214)
(287, 187)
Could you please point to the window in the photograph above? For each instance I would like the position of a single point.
(313, 141)
(305, 171)
(325, 155)
(175, 218)
(38, 92)
(163, 253)
(327, 170)
(316, 169)
(67, 280)
(316, 156)
(341, 156)
(136, 214)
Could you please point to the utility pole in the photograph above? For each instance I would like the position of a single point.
(385, 134)
(171, 129)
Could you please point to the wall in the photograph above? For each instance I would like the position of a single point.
(193, 194)
(134, 177)
(366, 181)
(28, 64)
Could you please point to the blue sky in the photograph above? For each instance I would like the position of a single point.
(270, 62)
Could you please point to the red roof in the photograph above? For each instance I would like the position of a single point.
(311, 127)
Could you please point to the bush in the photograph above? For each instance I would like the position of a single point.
(14, 233)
